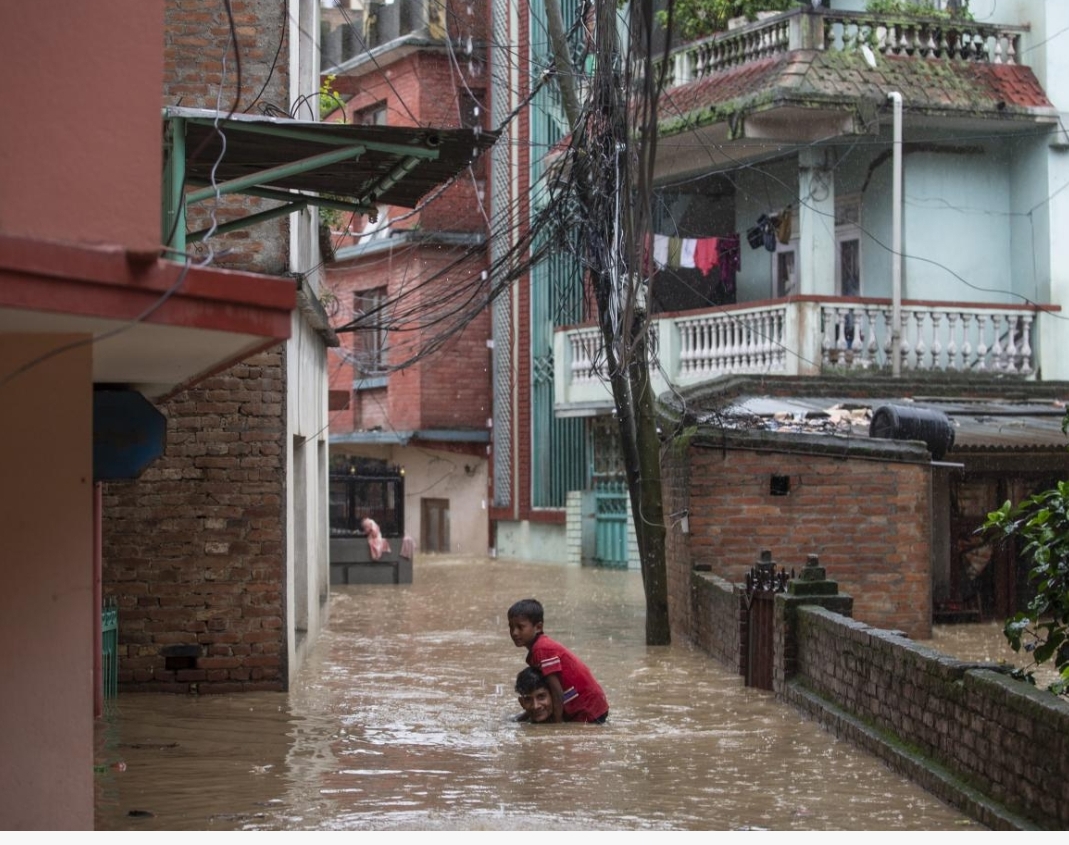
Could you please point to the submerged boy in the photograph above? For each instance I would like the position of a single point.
(535, 697)
(576, 696)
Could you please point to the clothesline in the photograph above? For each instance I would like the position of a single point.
(703, 254)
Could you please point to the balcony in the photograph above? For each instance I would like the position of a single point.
(833, 31)
(809, 336)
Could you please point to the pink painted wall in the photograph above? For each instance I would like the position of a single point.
(46, 604)
(80, 152)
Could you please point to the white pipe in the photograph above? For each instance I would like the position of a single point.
(896, 236)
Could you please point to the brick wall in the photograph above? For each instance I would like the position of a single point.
(196, 33)
(862, 505)
(1002, 738)
(450, 387)
(194, 549)
(995, 747)
(718, 613)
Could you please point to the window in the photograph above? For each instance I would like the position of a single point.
(369, 341)
(371, 116)
(847, 252)
(848, 246)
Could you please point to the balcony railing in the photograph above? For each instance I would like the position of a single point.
(830, 30)
(808, 336)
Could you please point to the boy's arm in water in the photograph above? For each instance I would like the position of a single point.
(555, 690)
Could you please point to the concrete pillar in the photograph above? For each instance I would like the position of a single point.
(816, 220)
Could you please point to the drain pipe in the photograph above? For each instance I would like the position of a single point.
(896, 236)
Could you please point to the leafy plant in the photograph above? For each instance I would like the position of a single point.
(918, 8)
(329, 99)
(1041, 523)
(697, 18)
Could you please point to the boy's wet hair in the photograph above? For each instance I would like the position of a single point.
(529, 680)
(529, 609)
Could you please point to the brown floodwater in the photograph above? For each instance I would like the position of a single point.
(401, 720)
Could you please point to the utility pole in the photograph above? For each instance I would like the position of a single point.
(609, 159)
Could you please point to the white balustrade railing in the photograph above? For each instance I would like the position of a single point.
(737, 341)
(834, 31)
(807, 337)
(945, 338)
(585, 355)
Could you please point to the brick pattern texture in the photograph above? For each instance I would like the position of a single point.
(194, 550)
(1005, 738)
(868, 520)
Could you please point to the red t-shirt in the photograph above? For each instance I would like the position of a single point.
(584, 700)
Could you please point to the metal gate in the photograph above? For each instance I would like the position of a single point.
(763, 581)
(610, 523)
(109, 663)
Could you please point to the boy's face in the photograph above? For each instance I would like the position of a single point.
(523, 631)
(538, 705)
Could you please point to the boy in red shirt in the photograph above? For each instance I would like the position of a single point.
(577, 697)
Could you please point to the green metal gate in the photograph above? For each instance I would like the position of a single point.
(610, 523)
(109, 662)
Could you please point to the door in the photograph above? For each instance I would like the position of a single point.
(434, 525)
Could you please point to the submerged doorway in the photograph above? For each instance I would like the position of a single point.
(434, 525)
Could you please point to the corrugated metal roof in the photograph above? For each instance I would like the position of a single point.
(255, 144)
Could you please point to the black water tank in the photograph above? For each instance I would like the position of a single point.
(904, 422)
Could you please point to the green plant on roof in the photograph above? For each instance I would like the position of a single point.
(697, 18)
(920, 8)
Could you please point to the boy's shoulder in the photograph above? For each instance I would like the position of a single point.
(546, 642)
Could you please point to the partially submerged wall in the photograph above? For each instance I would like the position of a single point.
(945, 719)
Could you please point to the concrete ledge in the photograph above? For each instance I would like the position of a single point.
(920, 769)
(351, 563)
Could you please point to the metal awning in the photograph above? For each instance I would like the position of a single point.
(302, 163)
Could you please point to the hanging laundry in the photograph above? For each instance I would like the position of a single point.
(686, 255)
(729, 261)
(784, 227)
(660, 251)
(675, 250)
(706, 255)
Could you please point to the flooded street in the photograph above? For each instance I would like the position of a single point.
(401, 719)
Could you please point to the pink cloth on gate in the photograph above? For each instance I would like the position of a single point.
(408, 547)
(376, 543)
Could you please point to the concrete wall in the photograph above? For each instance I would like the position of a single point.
(306, 471)
(532, 541)
(89, 171)
(47, 605)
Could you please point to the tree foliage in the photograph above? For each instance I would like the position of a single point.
(698, 18)
(1040, 524)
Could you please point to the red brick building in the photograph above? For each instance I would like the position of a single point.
(215, 555)
(410, 385)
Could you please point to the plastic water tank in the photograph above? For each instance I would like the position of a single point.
(904, 422)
